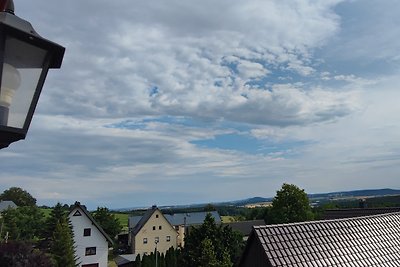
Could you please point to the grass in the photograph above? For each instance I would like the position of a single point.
(123, 218)
(228, 219)
(46, 212)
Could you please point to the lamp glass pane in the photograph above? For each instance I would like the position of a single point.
(22, 67)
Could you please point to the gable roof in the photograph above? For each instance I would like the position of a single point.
(7, 204)
(330, 214)
(85, 211)
(363, 241)
(143, 220)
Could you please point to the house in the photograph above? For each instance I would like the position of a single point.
(7, 204)
(181, 222)
(362, 241)
(244, 227)
(90, 239)
(152, 231)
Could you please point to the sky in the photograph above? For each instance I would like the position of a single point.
(181, 102)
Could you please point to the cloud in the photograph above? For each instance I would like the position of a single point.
(145, 83)
(182, 49)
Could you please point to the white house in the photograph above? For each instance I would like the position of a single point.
(91, 241)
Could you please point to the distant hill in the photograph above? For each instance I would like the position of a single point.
(313, 197)
(356, 193)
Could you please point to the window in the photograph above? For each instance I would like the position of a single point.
(90, 251)
(91, 265)
(156, 239)
(156, 215)
(145, 240)
(154, 228)
(159, 227)
(168, 238)
(77, 213)
(87, 232)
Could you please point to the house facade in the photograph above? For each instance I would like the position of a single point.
(152, 231)
(90, 240)
(181, 222)
(359, 242)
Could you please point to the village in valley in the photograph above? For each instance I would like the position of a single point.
(211, 133)
(281, 231)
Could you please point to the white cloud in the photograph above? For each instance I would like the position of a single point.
(286, 72)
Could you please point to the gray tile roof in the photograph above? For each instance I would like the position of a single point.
(6, 204)
(331, 214)
(192, 218)
(143, 219)
(245, 227)
(360, 242)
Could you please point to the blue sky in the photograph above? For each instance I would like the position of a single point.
(179, 102)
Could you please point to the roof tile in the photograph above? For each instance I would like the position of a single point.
(361, 241)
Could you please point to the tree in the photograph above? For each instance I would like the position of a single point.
(225, 242)
(209, 207)
(17, 253)
(107, 221)
(23, 223)
(138, 261)
(291, 204)
(19, 196)
(57, 215)
(62, 245)
(207, 254)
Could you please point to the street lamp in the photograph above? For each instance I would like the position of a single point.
(156, 242)
(25, 58)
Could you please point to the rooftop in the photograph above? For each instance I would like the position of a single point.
(363, 241)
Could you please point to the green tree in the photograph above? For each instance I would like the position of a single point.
(209, 207)
(17, 253)
(23, 223)
(107, 221)
(62, 245)
(171, 257)
(19, 196)
(207, 254)
(226, 261)
(138, 261)
(223, 239)
(291, 204)
(57, 215)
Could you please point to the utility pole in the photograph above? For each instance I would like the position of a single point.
(156, 241)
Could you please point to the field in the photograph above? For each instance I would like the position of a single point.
(123, 219)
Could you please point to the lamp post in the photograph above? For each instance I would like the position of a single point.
(156, 242)
(25, 58)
